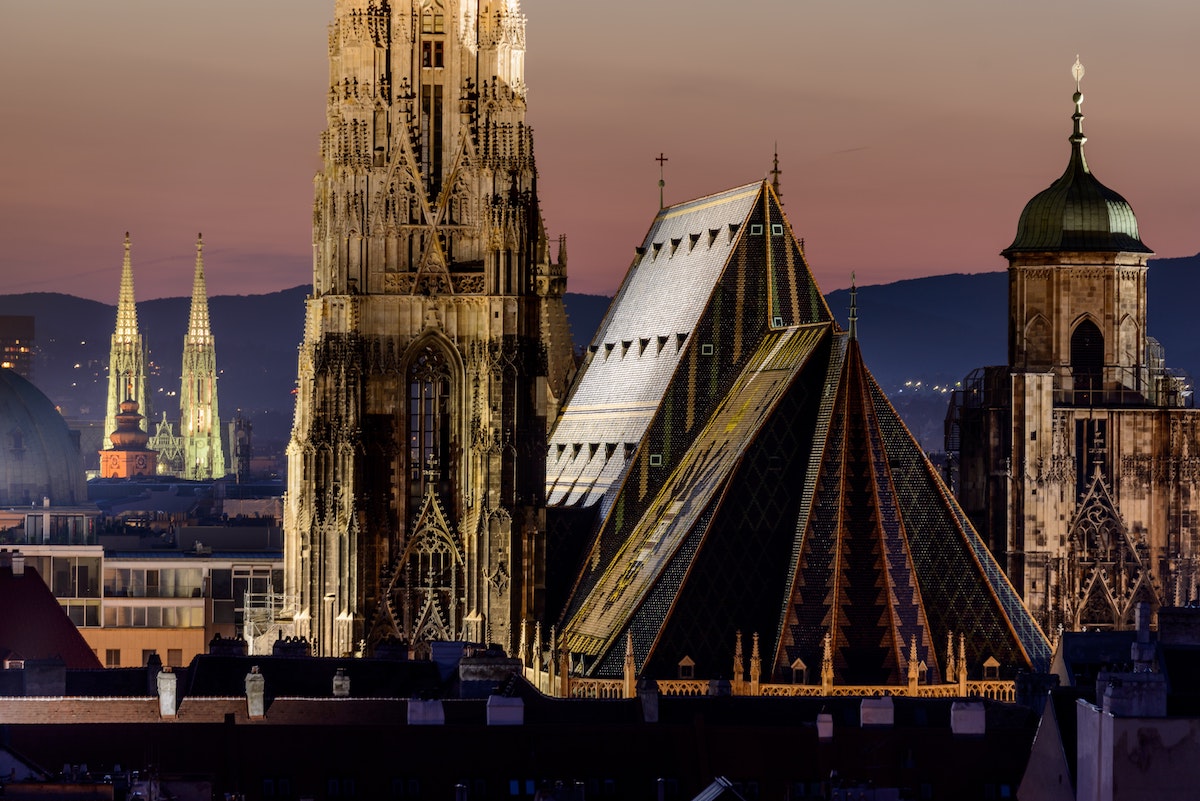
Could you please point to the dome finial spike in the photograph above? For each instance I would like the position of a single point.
(1077, 137)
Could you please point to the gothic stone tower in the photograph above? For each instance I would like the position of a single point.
(436, 348)
(127, 356)
(1079, 459)
(199, 422)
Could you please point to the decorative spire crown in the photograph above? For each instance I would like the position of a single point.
(199, 331)
(1077, 137)
(127, 327)
(1077, 213)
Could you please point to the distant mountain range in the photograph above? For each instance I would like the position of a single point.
(928, 330)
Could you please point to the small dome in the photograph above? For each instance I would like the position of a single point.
(1077, 212)
(129, 435)
(39, 456)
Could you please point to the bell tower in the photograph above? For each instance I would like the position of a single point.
(1075, 460)
(1077, 283)
(436, 348)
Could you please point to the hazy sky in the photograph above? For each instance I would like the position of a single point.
(910, 133)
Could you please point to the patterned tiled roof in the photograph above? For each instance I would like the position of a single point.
(768, 486)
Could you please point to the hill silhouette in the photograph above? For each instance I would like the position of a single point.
(918, 336)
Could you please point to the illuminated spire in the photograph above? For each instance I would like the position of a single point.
(127, 355)
(199, 422)
(199, 332)
(127, 326)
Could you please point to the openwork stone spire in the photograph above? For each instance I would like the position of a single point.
(127, 355)
(199, 332)
(436, 348)
(200, 424)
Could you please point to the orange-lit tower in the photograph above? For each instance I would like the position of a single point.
(127, 356)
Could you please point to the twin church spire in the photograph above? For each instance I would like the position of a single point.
(196, 451)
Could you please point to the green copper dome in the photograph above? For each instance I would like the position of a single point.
(1077, 212)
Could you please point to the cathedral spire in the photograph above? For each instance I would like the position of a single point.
(199, 422)
(127, 355)
(199, 331)
(127, 326)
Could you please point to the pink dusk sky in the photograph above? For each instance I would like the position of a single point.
(910, 134)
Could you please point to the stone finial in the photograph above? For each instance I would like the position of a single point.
(913, 668)
(827, 664)
(630, 672)
(962, 664)
(950, 671)
(755, 665)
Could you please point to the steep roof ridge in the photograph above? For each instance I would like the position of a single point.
(1024, 630)
(590, 403)
(901, 571)
(667, 521)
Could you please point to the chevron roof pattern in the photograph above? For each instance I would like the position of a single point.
(750, 475)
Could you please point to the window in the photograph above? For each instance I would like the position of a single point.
(146, 654)
(428, 420)
(175, 657)
(1087, 361)
(433, 54)
(433, 20)
(112, 657)
(431, 135)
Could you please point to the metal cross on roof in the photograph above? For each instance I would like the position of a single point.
(662, 159)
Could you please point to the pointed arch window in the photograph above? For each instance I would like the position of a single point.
(1087, 361)
(433, 19)
(428, 419)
